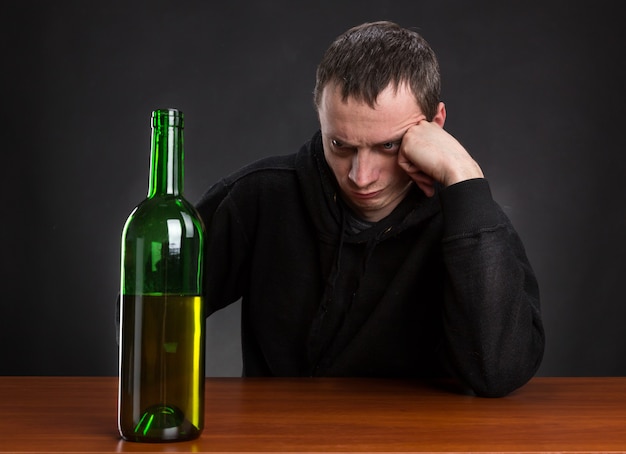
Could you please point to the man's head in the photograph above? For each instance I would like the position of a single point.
(368, 58)
(374, 83)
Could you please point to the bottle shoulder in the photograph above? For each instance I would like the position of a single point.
(164, 210)
(166, 206)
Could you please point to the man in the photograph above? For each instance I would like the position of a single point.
(376, 250)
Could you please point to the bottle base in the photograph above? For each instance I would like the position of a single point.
(162, 424)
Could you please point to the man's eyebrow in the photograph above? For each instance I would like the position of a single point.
(395, 140)
(398, 139)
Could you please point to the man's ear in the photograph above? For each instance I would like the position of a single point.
(440, 116)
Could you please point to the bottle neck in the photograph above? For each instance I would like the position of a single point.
(166, 158)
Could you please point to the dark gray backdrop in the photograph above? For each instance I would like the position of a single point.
(534, 89)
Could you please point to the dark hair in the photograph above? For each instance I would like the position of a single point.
(364, 60)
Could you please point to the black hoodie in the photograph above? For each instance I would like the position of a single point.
(440, 287)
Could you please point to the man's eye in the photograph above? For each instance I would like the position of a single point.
(336, 143)
(390, 146)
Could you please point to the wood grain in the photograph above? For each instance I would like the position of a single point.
(78, 414)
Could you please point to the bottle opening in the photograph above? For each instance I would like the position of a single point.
(167, 118)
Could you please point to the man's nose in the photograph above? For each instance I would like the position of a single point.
(364, 170)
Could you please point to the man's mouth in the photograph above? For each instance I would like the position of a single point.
(365, 195)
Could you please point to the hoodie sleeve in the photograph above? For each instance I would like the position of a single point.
(225, 248)
(495, 338)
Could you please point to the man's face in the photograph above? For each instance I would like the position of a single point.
(361, 147)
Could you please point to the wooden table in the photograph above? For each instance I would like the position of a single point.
(71, 414)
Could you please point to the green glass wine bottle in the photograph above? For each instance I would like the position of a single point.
(161, 382)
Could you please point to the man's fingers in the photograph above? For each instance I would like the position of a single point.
(424, 182)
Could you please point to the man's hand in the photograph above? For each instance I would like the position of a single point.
(428, 154)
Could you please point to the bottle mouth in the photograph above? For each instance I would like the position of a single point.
(167, 118)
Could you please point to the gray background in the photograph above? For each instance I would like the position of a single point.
(534, 89)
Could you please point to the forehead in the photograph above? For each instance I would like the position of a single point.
(353, 120)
